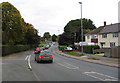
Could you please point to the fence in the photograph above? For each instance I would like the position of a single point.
(109, 52)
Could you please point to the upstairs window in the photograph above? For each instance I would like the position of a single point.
(115, 34)
(88, 37)
(104, 35)
(94, 36)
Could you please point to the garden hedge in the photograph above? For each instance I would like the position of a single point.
(89, 48)
(62, 47)
(9, 49)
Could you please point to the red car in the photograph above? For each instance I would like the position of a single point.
(37, 50)
(47, 46)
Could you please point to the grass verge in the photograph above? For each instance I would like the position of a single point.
(74, 54)
(93, 59)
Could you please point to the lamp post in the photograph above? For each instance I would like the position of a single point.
(81, 29)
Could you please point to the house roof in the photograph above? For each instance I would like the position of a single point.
(95, 31)
(111, 28)
(106, 29)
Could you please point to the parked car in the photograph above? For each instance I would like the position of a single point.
(68, 48)
(44, 56)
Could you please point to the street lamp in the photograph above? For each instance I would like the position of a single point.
(81, 29)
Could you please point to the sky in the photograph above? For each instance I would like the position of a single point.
(53, 15)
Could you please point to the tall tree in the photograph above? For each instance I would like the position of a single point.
(31, 36)
(47, 35)
(72, 31)
(54, 38)
(13, 25)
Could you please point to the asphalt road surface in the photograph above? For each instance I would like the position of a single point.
(15, 68)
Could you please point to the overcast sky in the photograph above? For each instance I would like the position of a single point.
(52, 15)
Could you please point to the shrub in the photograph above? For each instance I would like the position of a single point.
(89, 48)
(9, 49)
(62, 47)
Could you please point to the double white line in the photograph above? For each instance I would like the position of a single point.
(28, 60)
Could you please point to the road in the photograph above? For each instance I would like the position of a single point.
(15, 68)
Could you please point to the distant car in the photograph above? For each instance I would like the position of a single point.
(68, 48)
(47, 46)
(37, 50)
(44, 56)
(53, 43)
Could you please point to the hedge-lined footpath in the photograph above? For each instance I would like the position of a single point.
(9, 49)
(89, 48)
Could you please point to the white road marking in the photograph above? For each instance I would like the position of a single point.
(29, 62)
(26, 58)
(100, 76)
(67, 65)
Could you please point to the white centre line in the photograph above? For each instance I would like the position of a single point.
(67, 65)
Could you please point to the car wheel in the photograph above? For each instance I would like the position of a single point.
(51, 61)
(37, 61)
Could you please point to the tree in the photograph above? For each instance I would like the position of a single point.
(54, 38)
(14, 29)
(31, 36)
(13, 25)
(72, 31)
(47, 35)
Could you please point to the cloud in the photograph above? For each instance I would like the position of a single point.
(51, 15)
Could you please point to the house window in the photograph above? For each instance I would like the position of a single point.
(88, 37)
(94, 36)
(115, 34)
(104, 35)
(112, 44)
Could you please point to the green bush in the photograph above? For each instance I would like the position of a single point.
(9, 49)
(62, 47)
(89, 48)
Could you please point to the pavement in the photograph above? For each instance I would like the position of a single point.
(94, 59)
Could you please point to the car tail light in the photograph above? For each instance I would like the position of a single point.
(36, 51)
(51, 56)
(40, 56)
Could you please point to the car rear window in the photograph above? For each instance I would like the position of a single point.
(42, 53)
(37, 49)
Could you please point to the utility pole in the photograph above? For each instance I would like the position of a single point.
(81, 29)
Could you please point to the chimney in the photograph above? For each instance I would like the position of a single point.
(104, 23)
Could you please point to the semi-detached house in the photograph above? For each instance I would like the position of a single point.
(105, 36)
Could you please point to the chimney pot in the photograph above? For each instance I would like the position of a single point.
(104, 23)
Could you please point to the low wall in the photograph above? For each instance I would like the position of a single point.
(109, 52)
(115, 52)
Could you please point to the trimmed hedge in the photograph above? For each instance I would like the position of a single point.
(62, 47)
(89, 48)
(9, 49)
